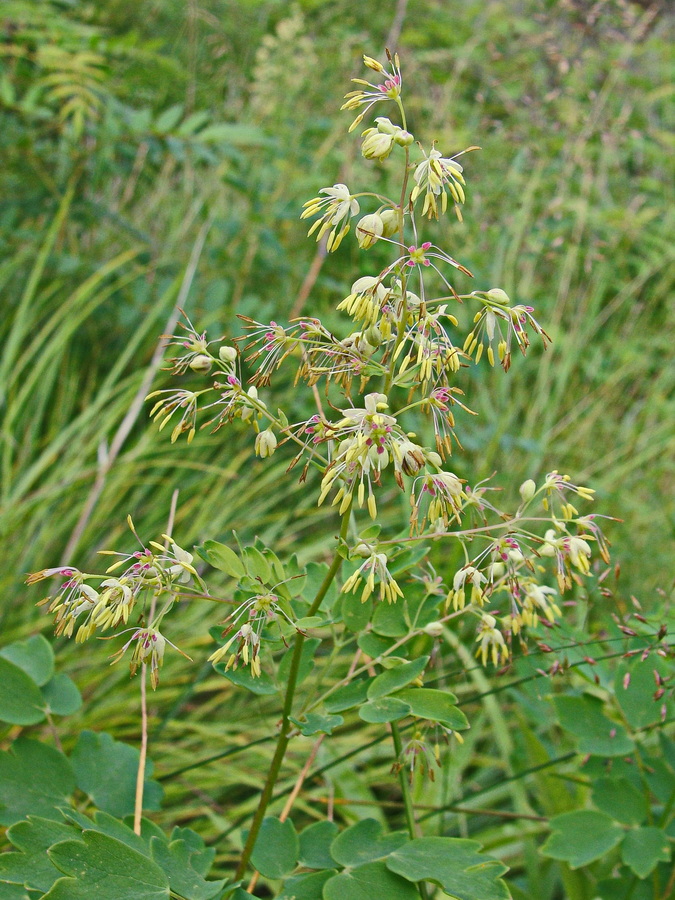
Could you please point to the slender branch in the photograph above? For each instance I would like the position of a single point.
(140, 775)
(407, 798)
(284, 731)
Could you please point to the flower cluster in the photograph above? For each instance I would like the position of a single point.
(256, 612)
(374, 567)
(149, 572)
(437, 177)
(337, 207)
(487, 327)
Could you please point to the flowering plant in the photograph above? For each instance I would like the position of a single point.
(396, 366)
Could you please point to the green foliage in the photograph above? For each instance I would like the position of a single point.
(124, 130)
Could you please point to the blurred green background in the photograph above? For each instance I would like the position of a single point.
(159, 152)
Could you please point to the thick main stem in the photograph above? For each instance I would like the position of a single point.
(284, 731)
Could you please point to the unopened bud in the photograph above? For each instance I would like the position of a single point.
(527, 490)
(433, 629)
(497, 295)
(201, 363)
(390, 222)
(227, 354)
(369, 230)
(403, 138)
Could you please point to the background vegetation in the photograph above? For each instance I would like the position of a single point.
(158, 153)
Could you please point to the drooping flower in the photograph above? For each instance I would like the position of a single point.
(467, 575)
(487, 327)
(436, 496)
(265, 443)
(491, 641)
(336, 208)
(374, 567)
(436, 176)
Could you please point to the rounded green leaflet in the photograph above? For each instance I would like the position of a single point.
(61, 696)
(364, 842)
(643, 848)
(222, 557)
(315, 842)
(35, 656)
(35, 779)
(457, 865)
(21, 701)
(396, 678)
(385, 709)
(106, 769)
(372, 880)
(276, 849)
(581, 837)
(435, 705)
(100, 866)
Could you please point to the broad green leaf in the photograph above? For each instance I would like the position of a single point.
(624, 886)
(15, 892)
(636, 699)
(385, 709)
(581, 837)
(315, 841)
(316, 572)
(373, 644)
(620, 799)
(35, 779)
(175, 860)
(305, 887)
(437, 706)
(367, 882)
(202, 857)
(396, 678)
(115, 828)
(32, 867)
(668, 750)
(348, 696)
(583, 717)
(390, 619)
(364, 843)
(256, 565)
(355, 614)
(61, 696)
(457, 865)
(311, 622)
(643, 849)
(223, 558)
(409, 559)
(315, 724)
(242, 677)
(21, 702)
(106, 770)
(306, 662)
(276, 849)
(660, 778)
(35, 656)
(102, 867)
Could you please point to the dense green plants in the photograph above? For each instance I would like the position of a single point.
(390, 600)
(566, 206)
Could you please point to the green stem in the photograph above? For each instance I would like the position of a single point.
(284, 731)
(407, 798)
